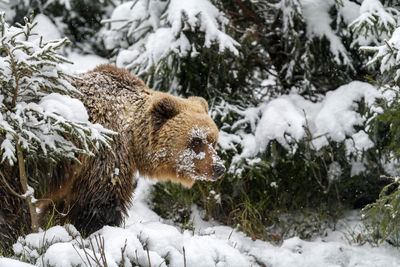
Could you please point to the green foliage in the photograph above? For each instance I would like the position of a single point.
(389, 119)
(278, 52)
(274, 46)
(381, 216)
(209, 74)
(376, 24)
(283, 48)
(173, 202)
(384, 214)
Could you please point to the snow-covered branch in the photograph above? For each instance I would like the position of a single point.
(136, 28)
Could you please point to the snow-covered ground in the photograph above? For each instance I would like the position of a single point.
(147, 239)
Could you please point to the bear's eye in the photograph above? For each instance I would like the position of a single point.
(196, 142)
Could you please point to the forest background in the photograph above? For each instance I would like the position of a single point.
(305, 94)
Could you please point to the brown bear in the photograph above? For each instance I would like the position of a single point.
(159, 136)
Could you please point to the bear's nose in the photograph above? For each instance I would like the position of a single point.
(219, 171)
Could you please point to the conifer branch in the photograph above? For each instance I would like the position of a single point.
(15, 73)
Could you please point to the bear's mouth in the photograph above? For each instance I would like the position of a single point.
(199, 175)
(194, 174)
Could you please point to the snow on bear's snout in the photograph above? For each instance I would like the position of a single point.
(200, 160)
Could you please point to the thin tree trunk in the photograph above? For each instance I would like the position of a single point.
(24, 182)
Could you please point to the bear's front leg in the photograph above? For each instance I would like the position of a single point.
(91, 216)
(102, 192)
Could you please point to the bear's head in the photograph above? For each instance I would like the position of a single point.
(183, 139)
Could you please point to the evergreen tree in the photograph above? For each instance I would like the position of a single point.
(39, 121)
(378, 28)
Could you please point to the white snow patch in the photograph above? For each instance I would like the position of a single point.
(46, 28)
(140, 211)
(209, 245)
(7, 262)
(53, 235)
(316, 15)
(285, 119)
(201, 133)
(362, 141)
(66, 106)
(387, 54)
(357, 167)
(349, 11)
(226, 140)
(83, 62)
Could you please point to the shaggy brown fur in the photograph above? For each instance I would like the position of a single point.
(159, 135)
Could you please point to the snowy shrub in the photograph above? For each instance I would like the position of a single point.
(151, 243)
(384, 215)
(223, 50)
(38, 118)
(329, 137)
(378, 24)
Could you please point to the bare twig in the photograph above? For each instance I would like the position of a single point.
(184, 257)
(102, 261)
(387, 178)
(122, 253)
(88, 264)
(148, 256)
(77, 252)
(94, 257)
(9, 187)
(102, 249)
(86, 253)
(137, 258)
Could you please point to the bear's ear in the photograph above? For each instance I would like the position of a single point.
(201, 101)
(163, 109)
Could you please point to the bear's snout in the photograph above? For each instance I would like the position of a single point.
(219, 171)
